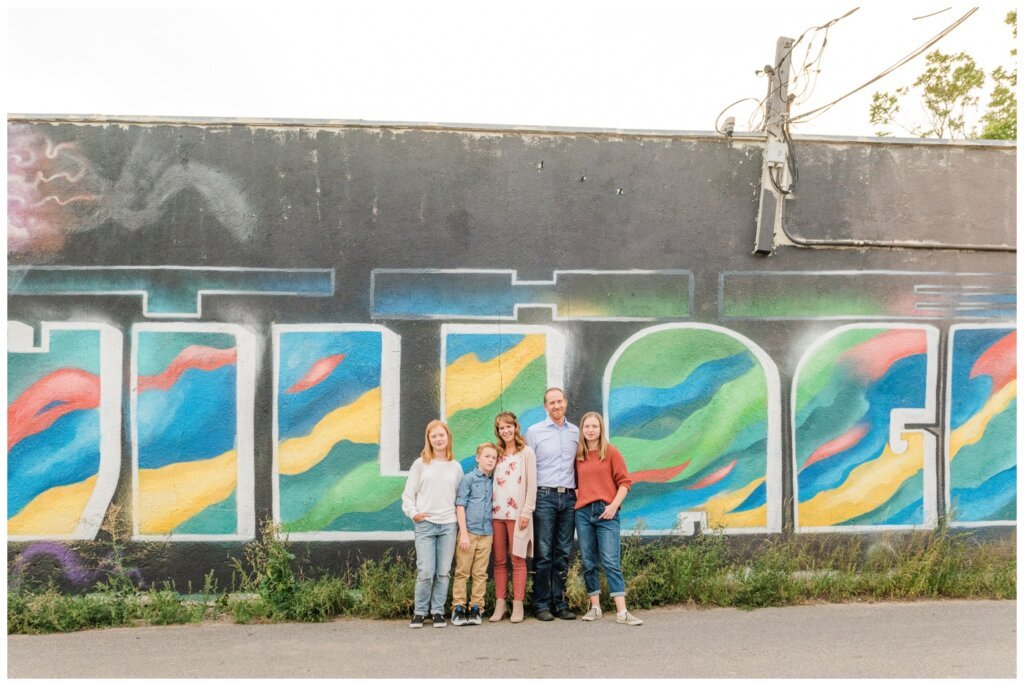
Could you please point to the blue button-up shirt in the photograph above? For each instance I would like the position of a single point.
(555, 447)
(475, 491)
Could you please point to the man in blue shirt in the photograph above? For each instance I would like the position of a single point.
(554, 441)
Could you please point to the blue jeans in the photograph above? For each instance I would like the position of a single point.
(435, 546)
(552, 543)
(600, 544)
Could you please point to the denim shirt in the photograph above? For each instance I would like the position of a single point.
(475, 495)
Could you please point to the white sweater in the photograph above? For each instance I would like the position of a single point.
(431, 488)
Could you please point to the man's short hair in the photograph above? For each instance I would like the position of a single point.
(553, 388)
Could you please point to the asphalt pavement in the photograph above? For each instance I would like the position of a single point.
(925, 639)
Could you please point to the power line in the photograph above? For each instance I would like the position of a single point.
(806, 116)
(726, 109)
(813, 30)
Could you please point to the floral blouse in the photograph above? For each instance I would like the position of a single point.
(508, 475)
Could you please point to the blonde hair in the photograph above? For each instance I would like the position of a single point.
(427, 454)
(518, 440)
(602, 439)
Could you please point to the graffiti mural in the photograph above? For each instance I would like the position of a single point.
(192, 422)
(489, 294)
(694, 410)
(981, 425)
(857, 462)
(255, 322)
(865, 295)
(54, 190)
(487, 370)
(169, 291)
(336, 463)
(63, 429)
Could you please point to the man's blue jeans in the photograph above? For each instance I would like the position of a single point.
(553, 521)
(435, 547)
(600, 544)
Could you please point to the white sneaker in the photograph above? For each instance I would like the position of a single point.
(593, 613)
(626, 618)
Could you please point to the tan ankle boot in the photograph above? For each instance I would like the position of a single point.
(499, 610)
(517, 611)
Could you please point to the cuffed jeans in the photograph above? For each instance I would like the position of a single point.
(435, 545)
(553, 524)
(600, 545)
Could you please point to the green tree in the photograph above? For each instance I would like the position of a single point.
(946, 91)
(1000, 122)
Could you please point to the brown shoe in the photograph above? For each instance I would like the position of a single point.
(517, 612)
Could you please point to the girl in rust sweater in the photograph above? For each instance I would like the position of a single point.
(602, 483)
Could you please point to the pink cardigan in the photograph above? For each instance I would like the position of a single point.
(522, 539)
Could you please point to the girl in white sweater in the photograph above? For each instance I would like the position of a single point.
(429, 500)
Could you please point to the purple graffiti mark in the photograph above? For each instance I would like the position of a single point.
(77, 573)
(53, 191)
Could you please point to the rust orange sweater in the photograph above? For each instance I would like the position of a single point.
(600, 480)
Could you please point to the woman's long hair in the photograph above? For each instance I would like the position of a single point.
(508, 418)
(602, 438)
(427, 453)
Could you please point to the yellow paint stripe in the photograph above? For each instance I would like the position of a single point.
(868, 486)
(54, 511)
(171, 495)
(358, 422)
(973, 429)
(470, 383)
(718, 508)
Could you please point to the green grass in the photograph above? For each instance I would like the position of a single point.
(269, 585)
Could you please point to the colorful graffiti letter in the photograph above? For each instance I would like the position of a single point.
(63, 429)
(336, 468)
(492, 369)
(857, 465)
(694, 409)
(982, 427)
(192, 421)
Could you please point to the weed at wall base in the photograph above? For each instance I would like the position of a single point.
(268, 585)
(385, 587)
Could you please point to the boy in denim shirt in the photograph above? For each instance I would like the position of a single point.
(473, 512)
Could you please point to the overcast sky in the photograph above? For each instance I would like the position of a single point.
(629, 65)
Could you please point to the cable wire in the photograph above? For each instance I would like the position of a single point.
(818, 111)
(726, 109)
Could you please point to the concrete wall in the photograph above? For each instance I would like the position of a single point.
(213, 324)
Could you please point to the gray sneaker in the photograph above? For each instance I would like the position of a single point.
(629, 619)
(459, 616)
(593, 613)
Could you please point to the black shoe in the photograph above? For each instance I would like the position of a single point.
(439, 622)
(458, 616)
(417, 622)
(565, 613)
(474, 615)
(545, 616)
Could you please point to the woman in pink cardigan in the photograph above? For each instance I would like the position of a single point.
(515, 497)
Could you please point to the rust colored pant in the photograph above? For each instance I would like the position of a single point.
(504, 529)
